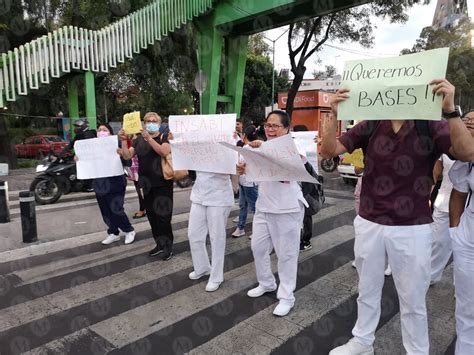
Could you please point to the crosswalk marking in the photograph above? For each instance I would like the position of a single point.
(88, 299)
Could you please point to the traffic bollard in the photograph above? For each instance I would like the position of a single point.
(28, 216)
(4, 205)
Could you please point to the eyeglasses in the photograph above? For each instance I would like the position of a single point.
(272, 126)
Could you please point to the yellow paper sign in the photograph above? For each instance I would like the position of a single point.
(356, 158)
(132, 123)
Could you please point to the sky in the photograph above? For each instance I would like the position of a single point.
(389, 40)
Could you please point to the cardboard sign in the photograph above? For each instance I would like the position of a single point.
(394, 88)
(132, 123)
(196, 143)
(276, 160)
(97, 158)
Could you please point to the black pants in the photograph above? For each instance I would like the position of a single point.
(159, 210)
(113, 214)
(141, 201)
(307, 232)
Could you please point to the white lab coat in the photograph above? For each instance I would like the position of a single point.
(212, 198)
(463, 254)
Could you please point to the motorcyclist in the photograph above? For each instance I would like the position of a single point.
(82, 131)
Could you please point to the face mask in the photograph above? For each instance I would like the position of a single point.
(102, 134)
(152, 127)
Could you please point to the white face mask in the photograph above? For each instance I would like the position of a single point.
(152, 127)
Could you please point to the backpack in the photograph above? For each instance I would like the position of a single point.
(313, 193)
(471, 164)
(424, 133)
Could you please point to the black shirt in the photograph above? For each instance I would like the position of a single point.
(149, 163)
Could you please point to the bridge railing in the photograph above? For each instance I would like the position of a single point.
(72, 48)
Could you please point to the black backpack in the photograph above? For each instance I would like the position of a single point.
(313, 193)
(423, 131)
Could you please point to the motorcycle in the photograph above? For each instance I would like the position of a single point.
(56, 177)
(329, 165)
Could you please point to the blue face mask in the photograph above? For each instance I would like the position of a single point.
(152, 127)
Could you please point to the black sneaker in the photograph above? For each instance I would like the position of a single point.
(305, 246)
(155, 251)
(167, 256)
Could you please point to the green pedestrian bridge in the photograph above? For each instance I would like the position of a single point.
(223, 28)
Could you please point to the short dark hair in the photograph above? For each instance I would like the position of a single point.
(285, 119)
(109, 127)
(250, 133)
(300, 128)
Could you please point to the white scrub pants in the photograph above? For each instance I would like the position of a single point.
(408, 249)
(463, 253)
(204, 220)
(441, 250)
(279, 231)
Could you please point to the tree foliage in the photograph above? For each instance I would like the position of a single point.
(460, 70)
(352, 25)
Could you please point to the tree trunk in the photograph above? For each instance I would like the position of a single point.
(295, 85)
(6, 148)
(76, 13)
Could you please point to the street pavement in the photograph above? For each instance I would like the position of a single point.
(73, 295)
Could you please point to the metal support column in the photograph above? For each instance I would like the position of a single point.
(89, 87)
(236, 57)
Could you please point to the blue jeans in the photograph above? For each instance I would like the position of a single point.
(247, 198)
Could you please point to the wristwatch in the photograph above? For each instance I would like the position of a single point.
(456, 113)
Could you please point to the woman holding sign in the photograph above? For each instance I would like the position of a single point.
(110, 194)
(276, 225)
(150, 147)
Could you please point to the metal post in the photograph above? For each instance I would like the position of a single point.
(4, 205)
(28, 216)
(273, 77)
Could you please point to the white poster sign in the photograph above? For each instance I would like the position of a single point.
(98, 158)
(276, 160)
(195, 145)
(306, 146)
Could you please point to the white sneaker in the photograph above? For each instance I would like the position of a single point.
(250, 236)
(259, 291)
(212, 286)
(235, 219)
(110, 239)
(194, 276)
(388, 271)
(353, 264)
(129, 237)
(238, 233)
(282, 309)
(352, 347)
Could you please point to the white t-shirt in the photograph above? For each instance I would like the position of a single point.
(279, 197)
(211, 189)
(242, 178)
(442, 199)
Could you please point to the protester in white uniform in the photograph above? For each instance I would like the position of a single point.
(276, 225)
(462, 236)
(394, 218)
(211, 200)
(441, 248)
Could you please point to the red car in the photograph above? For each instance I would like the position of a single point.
(39, 146)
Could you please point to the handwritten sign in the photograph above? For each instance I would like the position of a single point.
(394, 88)
(98, 158)
(132, 123)
(196, 143)
(276, 160)
(306, 146)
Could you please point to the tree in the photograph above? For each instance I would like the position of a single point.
(460, 71)
(354, 25)
(330, 72)
(258, 81)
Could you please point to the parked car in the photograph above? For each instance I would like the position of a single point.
(39, 146)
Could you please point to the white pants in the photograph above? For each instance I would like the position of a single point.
(463, 253)
(205, 220)
(281, 232)
(441, 250)
(408, 249)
